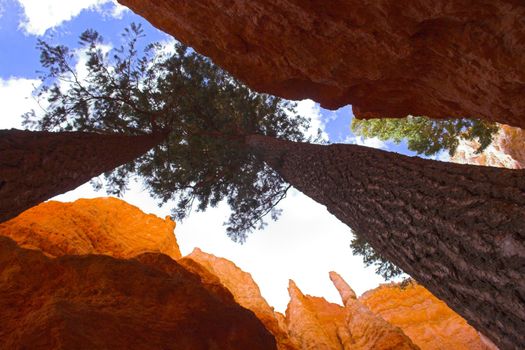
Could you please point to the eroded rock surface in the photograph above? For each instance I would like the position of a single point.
(243, 288)
(507, 150)
(387, 58)
(318, 324)
(92, 226)
(54, 298)
(99, 302)
(428, 321)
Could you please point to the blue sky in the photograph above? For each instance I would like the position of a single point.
(304, 245)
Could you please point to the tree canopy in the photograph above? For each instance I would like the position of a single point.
(427, 136)
(203, 110)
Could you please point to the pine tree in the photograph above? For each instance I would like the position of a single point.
(206, 113)
(457, 229)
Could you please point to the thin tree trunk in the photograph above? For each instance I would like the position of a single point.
(35, 166)
(457, 229)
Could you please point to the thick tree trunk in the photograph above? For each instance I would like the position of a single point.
(35, 166)
(457, 229)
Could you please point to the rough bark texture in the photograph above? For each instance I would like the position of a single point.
(387, 58)
(458, 230)
(38, 165)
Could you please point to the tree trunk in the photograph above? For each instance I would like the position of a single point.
(457, 229)
(35, 166)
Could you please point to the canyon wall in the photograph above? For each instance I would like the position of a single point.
(428, 321)
(138, 292)
(100, 302)
(507, 150)
(440, 59)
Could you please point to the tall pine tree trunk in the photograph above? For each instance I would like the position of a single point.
(457, 229)
(35, 166)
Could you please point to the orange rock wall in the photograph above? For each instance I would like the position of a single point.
(428, 321)
(244, 289)
(387, 58)
(100, 302)
(198, 302)
(507, 150)
(92, 226)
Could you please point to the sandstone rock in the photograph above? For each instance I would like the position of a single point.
(99, 302)
(243, 288)
(429, 322)
(318, 324)
(313, 322)
(387, 58)
(367, 330)
(92, 226)
(507, 150)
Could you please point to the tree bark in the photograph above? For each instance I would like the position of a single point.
(457, 229)
(35, 166)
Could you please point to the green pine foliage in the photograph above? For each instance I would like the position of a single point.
(383, 266)
(427, 136)
(204, 111)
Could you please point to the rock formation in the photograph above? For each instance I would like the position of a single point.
(367, 330)
(387, 58)
(92, 226)
(58, 295)
(96, 301)
(428, 321)
(507, 150)
(244, 289)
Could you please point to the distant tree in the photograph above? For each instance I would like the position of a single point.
(457, 229)
(427, 136)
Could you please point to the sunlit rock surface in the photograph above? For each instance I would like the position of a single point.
(387, 58)
(314, 322)
(100, 302)
(507, 150)
(244, 289)
(428, 321)
(364, 329)
(198, 302)
(92, 226)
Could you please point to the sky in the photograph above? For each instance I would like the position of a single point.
(304, 244)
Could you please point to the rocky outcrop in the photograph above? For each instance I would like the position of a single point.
(314, 322)
(318, 324)
(428, 321)
(100, 302)
(365, 329)
(507, 150)
(59, 295)
(243, 288)
(387, 58)
(92, 226)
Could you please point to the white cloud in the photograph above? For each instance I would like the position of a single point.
(2, 7)
(41, 15)
(310, 109)
(16, 99)
(373, 142)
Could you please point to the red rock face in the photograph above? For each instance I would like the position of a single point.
(507, 150)
(81, 301)
(99, 302)
(92, 226)
(243, 288)
(387, 58)
(428, 321)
